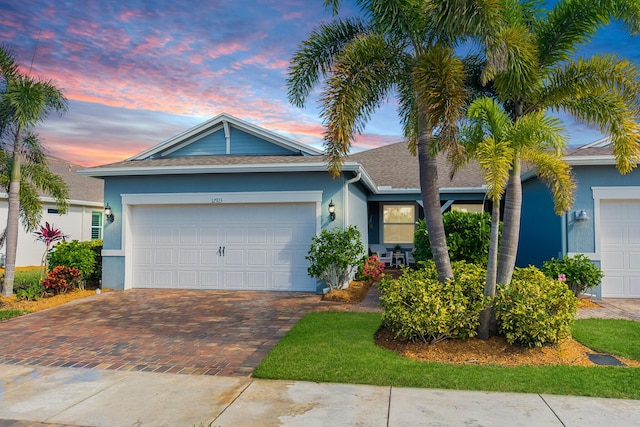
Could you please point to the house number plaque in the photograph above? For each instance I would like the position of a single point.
(217, 200)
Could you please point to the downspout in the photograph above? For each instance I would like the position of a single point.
(565, 220)
(345, 196)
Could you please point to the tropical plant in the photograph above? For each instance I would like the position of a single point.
(48, 235)
(492, 138)
(419, 307)
(578, 272)
(403, 49)
(25, 101)
(62, 279)
(601, 90)
(373, 268)
(31, 293)
(334, 256)
(74, 254)
(534, 310)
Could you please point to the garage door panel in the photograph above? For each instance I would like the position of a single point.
(188, 235)
(188, 257)
(258, 246)
(209, 235)
(620, 248)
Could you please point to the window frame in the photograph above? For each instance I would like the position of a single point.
(383, 205)
(100, 227)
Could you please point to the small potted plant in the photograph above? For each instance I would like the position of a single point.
(397, 249)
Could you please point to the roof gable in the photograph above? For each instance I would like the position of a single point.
(226, 135)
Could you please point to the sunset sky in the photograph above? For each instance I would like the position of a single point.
(138, 72)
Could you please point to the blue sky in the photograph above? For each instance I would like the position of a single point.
(139, 72)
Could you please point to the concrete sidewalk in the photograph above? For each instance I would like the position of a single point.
(41, 396)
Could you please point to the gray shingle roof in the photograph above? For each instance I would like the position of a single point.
(393, 165)
(81, 188)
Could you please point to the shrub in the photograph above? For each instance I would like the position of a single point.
(373, 268)
(62, 279)
(534, 310)
(468, 236)
(417, 306)
(579, 272)
(74, 254)
(32, 292)
(96, 275)
(334, 256)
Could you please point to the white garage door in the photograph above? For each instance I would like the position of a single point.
(251, 246)
(620, 248)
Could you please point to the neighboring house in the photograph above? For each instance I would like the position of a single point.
(230, 205)
(83, 220)
(604, 223)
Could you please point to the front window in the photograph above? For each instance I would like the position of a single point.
(398, 223)
(96, 225)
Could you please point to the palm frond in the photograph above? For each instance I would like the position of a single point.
(496, 160)
(363, 74)
(555, 173)
(315, 56)
(538, 130)
(439, 81)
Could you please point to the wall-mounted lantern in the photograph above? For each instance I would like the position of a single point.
(581, 215)
(332, 210)
(108, 213)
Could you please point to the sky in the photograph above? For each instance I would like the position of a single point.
(138, 72)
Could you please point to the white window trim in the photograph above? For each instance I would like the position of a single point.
(131, 200)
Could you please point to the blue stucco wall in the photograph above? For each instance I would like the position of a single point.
(540, 227)
(358, 210)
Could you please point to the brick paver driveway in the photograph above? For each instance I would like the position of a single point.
(177, 331)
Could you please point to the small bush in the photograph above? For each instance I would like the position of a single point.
(468, 236)
(534, 310)
(579, 272)
(96, 275)
(418, 307)
(334, 256)
(62, 279)
(75, 254)
(33, 292)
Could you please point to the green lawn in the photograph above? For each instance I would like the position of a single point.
(615, 336)
(339, 347)
(8, 314)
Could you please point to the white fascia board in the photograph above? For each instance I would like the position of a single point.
(216, 122)
(73, 202)
(590, 160)
(199, 169)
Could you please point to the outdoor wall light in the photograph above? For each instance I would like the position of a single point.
(332, 210)
(581, 215)
(108, 213)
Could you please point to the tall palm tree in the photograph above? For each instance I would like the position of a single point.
(403, 49)
(24, 102)
(602, 90)
(492, 138)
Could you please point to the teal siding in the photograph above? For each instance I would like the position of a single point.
(113, 272)
(358, 210)
(214, 144)
(541, 228)
(243, 143)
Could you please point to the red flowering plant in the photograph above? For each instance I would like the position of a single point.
(373, 268)
(62, 279)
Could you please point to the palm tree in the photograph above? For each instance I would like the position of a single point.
(601, 90)
(24, 102)
(404, 49)
(493, 139)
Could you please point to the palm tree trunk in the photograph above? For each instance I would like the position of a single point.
(431, 203)
(488, 324)
(13, 219)
(510, 226)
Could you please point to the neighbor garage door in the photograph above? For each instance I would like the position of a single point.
(620, 248)
(251, 246)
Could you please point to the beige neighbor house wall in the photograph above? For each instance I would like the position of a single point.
(86, 195)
